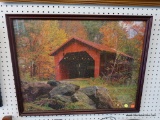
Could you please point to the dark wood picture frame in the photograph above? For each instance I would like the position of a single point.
(14, 56)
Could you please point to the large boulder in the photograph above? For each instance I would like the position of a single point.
(59, 101)
(42, 102)
(31, 91)
(83, 98)
(90, 92)
(63, 98)
(99, 95)
(104, 100)
(56, 103)
(63, 89)
(53, 83)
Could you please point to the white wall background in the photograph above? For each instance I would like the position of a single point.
(150, 104)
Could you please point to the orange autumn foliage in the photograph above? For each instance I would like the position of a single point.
(74, 28)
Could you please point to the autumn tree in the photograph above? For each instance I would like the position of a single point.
(51, 38)
(126, 37)
(136, 32)
(134, 45)
(113, 34)
(26, 41)
(35, 44)
(74, 28)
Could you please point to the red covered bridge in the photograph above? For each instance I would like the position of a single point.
(79, 58)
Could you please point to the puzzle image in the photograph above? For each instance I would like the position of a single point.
(78, 64)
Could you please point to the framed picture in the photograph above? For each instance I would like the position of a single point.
(75, 64)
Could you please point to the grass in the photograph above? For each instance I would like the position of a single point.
(89, 82)
(121, 94)
(34, 107)
(78, 105)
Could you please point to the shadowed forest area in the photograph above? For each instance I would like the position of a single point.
(37, 39)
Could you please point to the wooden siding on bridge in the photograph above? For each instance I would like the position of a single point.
(75, 45)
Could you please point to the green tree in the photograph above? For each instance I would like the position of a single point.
(92, 29)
